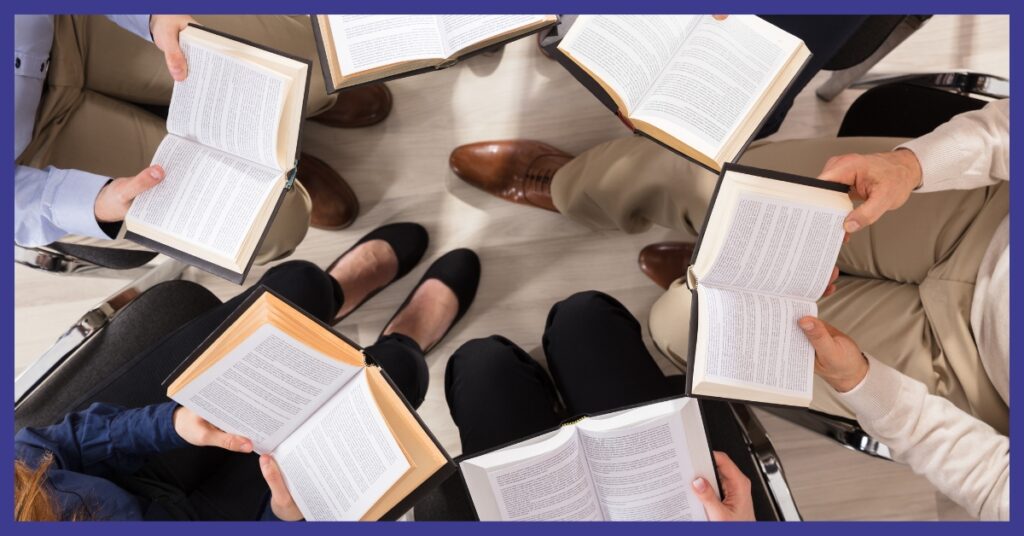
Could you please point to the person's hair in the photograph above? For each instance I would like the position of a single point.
(32, 501)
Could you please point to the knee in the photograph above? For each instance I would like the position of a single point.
(296, 271)
(582, 306)
(482, 360)
(305, 285)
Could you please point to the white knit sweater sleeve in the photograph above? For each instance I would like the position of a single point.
(963, 457)
(972, 150)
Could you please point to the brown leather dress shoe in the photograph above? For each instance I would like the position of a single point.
(519, 171)
(335, 205)
(359, 107)
(664, 262)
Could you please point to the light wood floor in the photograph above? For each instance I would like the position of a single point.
(532, 258)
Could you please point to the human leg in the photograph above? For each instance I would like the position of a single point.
(597, 356)
(497, 394)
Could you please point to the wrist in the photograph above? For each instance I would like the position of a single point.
(847, 382)
(99, 205)
(176, 417)
(909, 161)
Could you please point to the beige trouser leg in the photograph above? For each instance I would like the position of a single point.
(80, 126)
(907, 284)
(630, 183)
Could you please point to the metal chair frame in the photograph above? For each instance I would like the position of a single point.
(842, 79)
(49, 260)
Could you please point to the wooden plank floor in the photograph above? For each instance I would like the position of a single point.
(531, 258)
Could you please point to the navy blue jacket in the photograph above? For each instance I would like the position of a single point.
(90, 446)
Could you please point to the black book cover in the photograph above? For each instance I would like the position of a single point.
(332, 87)
(550, 44)
(765, 173)
(406, 504)
(220, 271)
(575, 419)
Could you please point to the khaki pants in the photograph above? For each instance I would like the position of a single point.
(906, 286)
(90, 118)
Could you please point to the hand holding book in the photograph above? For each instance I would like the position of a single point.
(883, 180)
(199, 432)
(737, 504)
(114, 199)
(281, 501)
(837, 358)
(165, 30)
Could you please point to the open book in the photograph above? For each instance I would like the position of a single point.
(357, 49)
(229, 154)
(348, 444)
(763, 258)
(698, 86)
(630, 465)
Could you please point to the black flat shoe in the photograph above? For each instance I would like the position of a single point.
(409, 242)
(459, 270)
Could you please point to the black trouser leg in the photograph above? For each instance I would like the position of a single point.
(597, 357)
(497, 393)
(405, 364)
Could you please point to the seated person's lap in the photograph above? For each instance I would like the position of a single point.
(594, 348)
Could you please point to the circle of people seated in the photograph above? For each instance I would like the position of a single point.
(865, 278)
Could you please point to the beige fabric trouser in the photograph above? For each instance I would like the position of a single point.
(87, 119)
(907, 282)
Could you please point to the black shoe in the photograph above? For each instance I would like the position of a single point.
(459, 270)
(409, 242)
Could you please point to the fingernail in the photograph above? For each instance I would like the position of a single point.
(155, 173)
(700, 485)
(806, 325)
(851, 226)
(264, 461)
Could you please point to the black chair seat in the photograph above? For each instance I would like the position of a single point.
(903, 110)
(142, 323)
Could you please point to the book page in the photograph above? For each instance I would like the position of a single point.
(364, 42)
(265, 387)
(463, 31)
(626, 52)
(750, 339)
(207, 197)
(229, 104)
(641, 465)
(777, 246)
(343, 459)
(542, 481)
(710, 85)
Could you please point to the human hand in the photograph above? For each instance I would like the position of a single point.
(196, 431)
(837, 359)
(281, 502)
(738, 504)
(165, 30)
(883, 180)
(114, 199)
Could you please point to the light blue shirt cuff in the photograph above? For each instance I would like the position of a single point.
(136, 24)
(71, 197)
